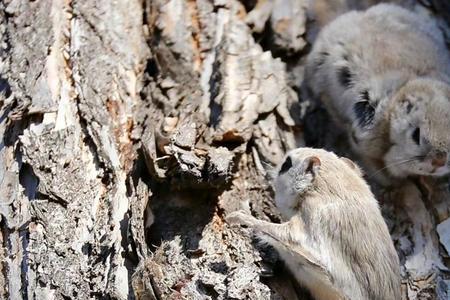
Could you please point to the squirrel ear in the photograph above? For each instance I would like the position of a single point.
(312, 165)
(352, 165)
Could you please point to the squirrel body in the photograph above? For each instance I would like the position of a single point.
(333, 239)
(384, 77)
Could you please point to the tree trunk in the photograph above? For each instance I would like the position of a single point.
(131, 128)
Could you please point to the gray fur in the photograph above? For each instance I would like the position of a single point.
(334, 239)
(381, 74)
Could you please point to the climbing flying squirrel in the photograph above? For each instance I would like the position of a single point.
(333, 239)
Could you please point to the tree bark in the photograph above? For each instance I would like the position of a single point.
(131, 128)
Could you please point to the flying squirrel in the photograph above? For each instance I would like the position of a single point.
(333, 239)
(384, 77)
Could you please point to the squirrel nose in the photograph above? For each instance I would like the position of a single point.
(439, 159)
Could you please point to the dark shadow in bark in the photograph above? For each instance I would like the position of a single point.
(5, 88)
(16, 125)
(182, 213)
(214, 89)
(29, 181)
(290, 57)
(207, 289)
(249, 4)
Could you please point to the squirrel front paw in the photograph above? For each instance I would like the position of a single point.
(239, 217)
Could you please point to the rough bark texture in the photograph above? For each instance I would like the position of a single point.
(131, 128)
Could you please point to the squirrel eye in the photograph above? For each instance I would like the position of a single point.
(416, 136)
(286, 165)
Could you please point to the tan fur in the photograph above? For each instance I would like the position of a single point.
(334, 239)
(391, 66)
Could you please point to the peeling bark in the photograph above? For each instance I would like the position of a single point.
(131, 128)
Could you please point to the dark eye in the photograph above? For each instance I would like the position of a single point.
(416, 136)
(286, 165)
